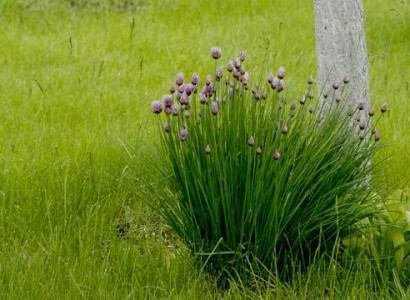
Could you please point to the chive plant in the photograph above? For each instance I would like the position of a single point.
(257, 179)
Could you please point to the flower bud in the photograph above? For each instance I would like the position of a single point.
(258, 151)
(189, 89)
(275, 83)
(362, 125)
(362, 135)
(371, 112)
(281, 86)
(203, 99)
(187, 114)
(245, 77)
(218, 74)
(338, 99)
(208, 80)
(236, 74)
(302, 100)
(216, 52)
(362, 104)
(251, 141)
(167, 110)
(383, 108)
(166, 127)
(270, 78)
(230, 67)
(215, 108)
(172, 89)
(376, 135)
(346, 79)
(310, 80)
(311, 109)
(175, 110)
(281, 73)
(325, 94)
(184, 99)
(285, 129)
(183, 134)
(167, 101)
(195, 79)
(242, 56)
(309, 94)
(336, 84)
(237, 63)
(156, 107)
(276, 155)
(179, 79)
(181, 88)
(208, 150)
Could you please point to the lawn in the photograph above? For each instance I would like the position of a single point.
(77, 183)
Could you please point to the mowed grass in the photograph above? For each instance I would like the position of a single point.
(77, 137)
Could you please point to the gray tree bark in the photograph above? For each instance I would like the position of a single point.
(341, 46)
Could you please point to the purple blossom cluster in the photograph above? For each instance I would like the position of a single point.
(184, 92)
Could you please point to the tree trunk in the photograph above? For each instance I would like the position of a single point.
(341, 46)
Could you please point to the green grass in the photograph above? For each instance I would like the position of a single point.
(76, 133)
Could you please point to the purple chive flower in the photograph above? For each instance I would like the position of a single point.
(168, 110)
(156, 107)
(172, 89)
(362, 104)
(218, 74)
(175, 110)
(281, 85)
(183, 134)
(167, 101)
(336, 84)
(208, 150)
(346, 79)
(179, 80)
(166, 127)
(281, 73)
(209, 89)
(203, 99)
(216, 52)
(195, 79)
(230, 67)
(181, 88)
(270, 78)
(189, 89)
(259, 151)
(236, 74)
(383, 108)
(251, 141)
(276, 155)
(215, 108)
(275, 83)
(184, 99)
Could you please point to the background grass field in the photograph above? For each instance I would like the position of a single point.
(77, 137)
